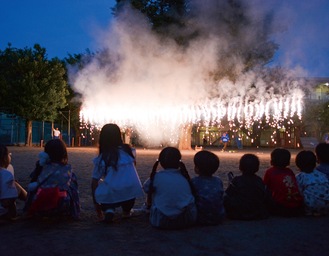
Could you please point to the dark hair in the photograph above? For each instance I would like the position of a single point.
(206, 162)
(56, 150)
(110, 140)
(280, 157)
(322, 152)
(249, 164)
(169, 157)
(306, 161)
(4, 159)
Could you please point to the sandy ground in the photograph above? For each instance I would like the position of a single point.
(135, 236)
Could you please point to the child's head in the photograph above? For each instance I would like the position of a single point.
(109, 137)
(5, 157)
(170, 157)
(322, 153)
(56, 150)
(306, 161)
(280, 157)
(206, 163)
(249, 164)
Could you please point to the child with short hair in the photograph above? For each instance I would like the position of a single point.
(246, 197)
(322, 155)
(170, 197)
(53, 191)
(281, 181)
(208, 189)
(313, 184)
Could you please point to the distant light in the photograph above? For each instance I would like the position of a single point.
(326, 84)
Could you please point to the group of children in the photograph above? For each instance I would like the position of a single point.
(173, 199)
(52, 192)
(178, 201)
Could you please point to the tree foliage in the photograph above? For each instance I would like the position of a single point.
(160, 13)
(34, 87)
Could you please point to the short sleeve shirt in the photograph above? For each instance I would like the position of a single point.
(7, 187)
(209, 193)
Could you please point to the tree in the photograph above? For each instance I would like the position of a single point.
(35, 87)
(162, 14)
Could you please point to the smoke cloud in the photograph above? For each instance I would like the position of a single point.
(155, 86)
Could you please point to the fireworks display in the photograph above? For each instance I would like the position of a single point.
(155, 87)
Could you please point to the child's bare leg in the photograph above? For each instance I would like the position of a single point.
(22, 194)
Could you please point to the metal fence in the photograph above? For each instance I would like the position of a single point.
(13, 130)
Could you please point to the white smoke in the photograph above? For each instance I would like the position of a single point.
(138, 80)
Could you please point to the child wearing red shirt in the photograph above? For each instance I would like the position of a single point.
(281, 181)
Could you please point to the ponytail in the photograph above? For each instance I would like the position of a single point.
(184, 172)
(151, 188)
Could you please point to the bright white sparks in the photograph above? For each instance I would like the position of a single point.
(162, 123)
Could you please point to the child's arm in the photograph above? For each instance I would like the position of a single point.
(98, 209)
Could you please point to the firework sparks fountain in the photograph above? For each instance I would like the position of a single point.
(139, 81)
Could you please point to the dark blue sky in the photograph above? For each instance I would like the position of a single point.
(72, 26)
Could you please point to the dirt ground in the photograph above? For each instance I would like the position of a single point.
(135, 236)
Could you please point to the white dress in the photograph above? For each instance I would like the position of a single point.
(118, 185)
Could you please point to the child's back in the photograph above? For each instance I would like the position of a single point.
(169, 193)
(172, 192)
(208, 189)
(322, 154)
(10, 189)
(281, 181)
(313, 184)
(209, 199)
(246, 197)
(54, 190)
(8, 194)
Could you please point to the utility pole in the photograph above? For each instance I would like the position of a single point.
(68, 125)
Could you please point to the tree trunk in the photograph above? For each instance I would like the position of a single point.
(28, 133)
(185, 137)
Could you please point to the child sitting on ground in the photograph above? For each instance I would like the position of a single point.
(208, 190)
(313, 184)
(170, 196)
(322, 155)
(10, 189)
(115, 181)
(281, 181)
(246, 197)
(55, 191)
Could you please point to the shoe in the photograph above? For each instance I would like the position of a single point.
(145, 209)
(108, 218)
(132, 213)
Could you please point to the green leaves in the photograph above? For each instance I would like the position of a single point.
(35, 87)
